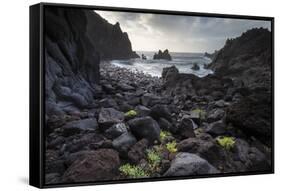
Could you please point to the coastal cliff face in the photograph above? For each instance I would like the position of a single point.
(110, 41)
(75, 42)
(246, 59)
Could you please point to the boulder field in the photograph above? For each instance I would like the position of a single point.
(109, 123)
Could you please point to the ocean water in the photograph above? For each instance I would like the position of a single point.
(183, 61)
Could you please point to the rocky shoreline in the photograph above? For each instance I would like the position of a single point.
(142, 126)
(108, 123)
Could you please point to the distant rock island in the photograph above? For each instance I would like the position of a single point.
(162, 55)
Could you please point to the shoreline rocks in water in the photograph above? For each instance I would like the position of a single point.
(165, 55)
(195, 67)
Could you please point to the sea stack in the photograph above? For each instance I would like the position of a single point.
(162, 55)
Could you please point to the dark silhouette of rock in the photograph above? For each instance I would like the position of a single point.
(246, 58)
(162, 55)
(253, 115)
(74, 127)
(143, 57)
(186, 128)
(189, 164)
(124, 142)
(145, 127)
(116, 130)
(75, 42)
(138, 151)
(72, 62)
(100, 165)
(169, 73)
(160, 110)
(110, 116)
(110, 40)
(195, 67)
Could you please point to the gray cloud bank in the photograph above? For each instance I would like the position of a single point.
(151, 32)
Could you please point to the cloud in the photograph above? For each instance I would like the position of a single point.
(179, 33)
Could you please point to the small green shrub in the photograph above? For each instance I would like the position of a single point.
(202, 114)
(164, 135)
(226, 142)
(153, 158)
(172, 147)
(131, 113)
(133, 171)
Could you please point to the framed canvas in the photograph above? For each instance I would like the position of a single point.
(123, 95)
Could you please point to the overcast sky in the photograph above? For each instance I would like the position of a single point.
(151, 32)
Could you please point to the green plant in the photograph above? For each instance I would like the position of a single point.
(133, 171)
(226, 142)
(131, 113)
(153, 158)
(172, 147)
(164, 135)
(202, 114)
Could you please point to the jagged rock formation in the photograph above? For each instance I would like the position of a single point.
(246, 58)
(110, 41)
(75, 42)
(162, 55)
(247, 61)
(71, 61)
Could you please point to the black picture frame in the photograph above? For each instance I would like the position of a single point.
(37, 84)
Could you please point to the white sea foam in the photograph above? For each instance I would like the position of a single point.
(183, 61)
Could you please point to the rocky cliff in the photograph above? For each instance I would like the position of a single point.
(75, 42)
(109, 39)
(246, 59)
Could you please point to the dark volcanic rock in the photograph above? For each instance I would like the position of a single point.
(253, 115)
(100, 165)
(150, 99)
(215, 115)
(116, 130)
(145, 127)
(142, 111)
(137, 152)
(162, 55)
(75, 41)
(250, 157)
(110, 116)
(189, 164)
(246, 58)
(195, 67)
(124, 142)
(72, 64)
(169, 72)
(74, 127)
(52, 178)
(216, 128)
(53, 163)
(186, 128)
(159, 111)
(165, 124)
(188, 85)
(205, 148)
(109, 39)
